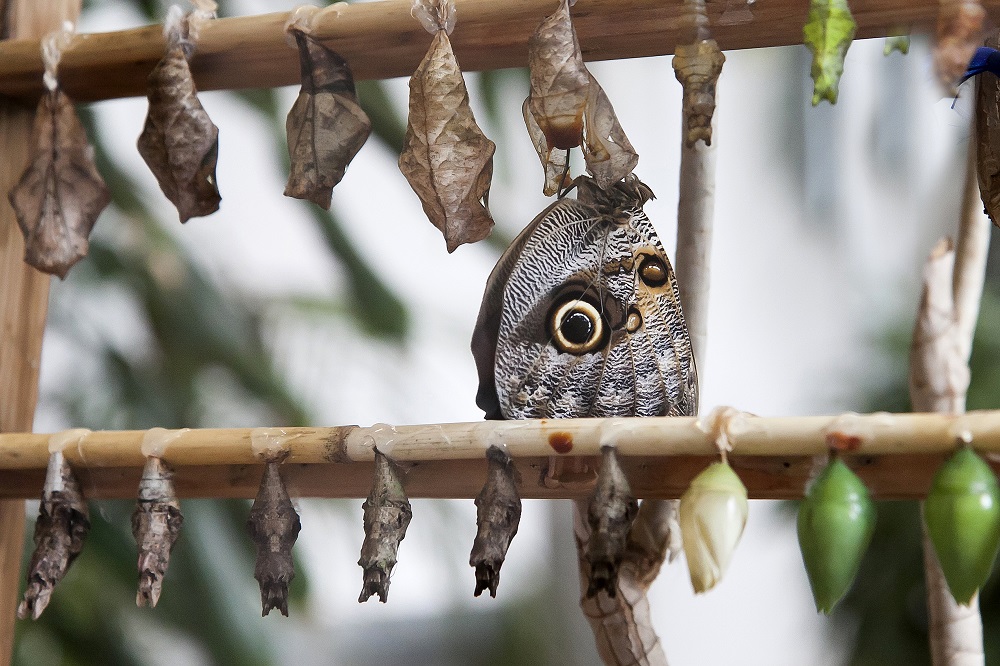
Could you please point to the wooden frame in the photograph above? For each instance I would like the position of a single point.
(381, 40)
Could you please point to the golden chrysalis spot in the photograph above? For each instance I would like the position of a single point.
(576, 327)
(653, 272)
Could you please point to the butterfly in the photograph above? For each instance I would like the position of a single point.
(987, 59)
(582, 317)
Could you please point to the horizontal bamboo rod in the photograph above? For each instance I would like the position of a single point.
(381, 40)
(896, 454)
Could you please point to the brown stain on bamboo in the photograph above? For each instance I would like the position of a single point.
(561, 442)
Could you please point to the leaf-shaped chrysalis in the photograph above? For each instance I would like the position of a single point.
(326, 126)
(828, 33)
(568, 108)
(446, 158)
(179, 142)
(61, 194)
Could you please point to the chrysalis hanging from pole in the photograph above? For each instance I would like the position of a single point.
(61, 194)
(697, 66)
(156, 524)
(610, 512)
(387, 514)
(60, 531)
(274, 526)
(179, 142)
(828, 33)
(498, 513)
(446, 158)
(567, 108)
(326, 126)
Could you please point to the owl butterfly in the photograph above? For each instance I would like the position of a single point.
(582, 317)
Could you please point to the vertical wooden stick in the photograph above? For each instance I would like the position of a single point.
(695, 212)
(939, 380)
(24, 297)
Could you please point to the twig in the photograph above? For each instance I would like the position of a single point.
(939, 380)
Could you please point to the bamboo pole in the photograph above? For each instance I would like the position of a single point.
(895, 454)
(381, 40)
(857, 435)
(24, 294)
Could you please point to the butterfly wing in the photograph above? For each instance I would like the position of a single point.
(582, 318)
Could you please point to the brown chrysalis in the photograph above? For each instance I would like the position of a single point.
(386, 516)
(568, 108)
(326, 126)
(697, 66)
(446, 158)
(498, 513)
(60, 531)
(156, 524)
(179, 142)
(61, 194)
(610, 512)
(273, 525)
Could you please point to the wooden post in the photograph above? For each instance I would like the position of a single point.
(24, 297)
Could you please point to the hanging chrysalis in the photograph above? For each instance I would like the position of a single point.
(713, 514)
(987, 63)
(959, 33)
(568, 108)
(60, 531)
(446, 158)
(387, 515)
(326, 126)
(498, 513)
(897, 42)
(697, 66)
(835, 525)
(962, 514)
(828, 33)
(60, 194)
(273, 525)
(179, 142)
(611, 510)
(156, 524)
